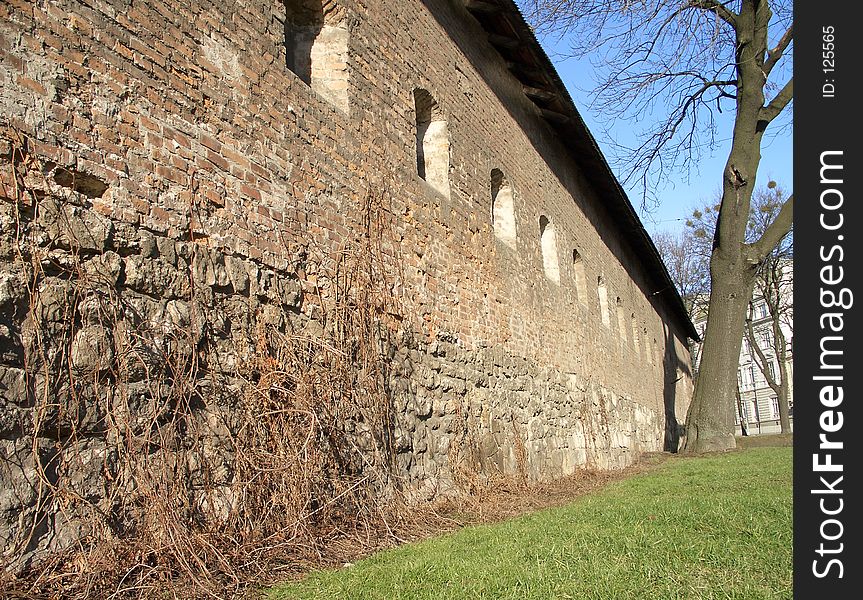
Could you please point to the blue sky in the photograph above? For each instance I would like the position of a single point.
(679, 197)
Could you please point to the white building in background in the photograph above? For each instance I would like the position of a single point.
(758, 409)
(758, 401)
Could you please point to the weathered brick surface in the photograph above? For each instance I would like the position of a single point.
(227, 172)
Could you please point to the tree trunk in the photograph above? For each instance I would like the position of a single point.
(782, 358)
(733, 262)
(741, 413)
(780, 387)
(784, 418)
(710, 420)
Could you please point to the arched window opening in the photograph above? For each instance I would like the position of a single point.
(647, 349)
(432, 142)
(316, 49)
(502, 209)
(548, 243)
(580, 276)
(602, 293)
(621, 319)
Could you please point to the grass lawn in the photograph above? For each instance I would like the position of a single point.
(708, 527)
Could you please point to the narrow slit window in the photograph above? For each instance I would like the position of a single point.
(432, 142)
(647, 349)
(580, 277)
(316, 49)
(548, 243)
(602, 294)
(621, 319)
(502, 209)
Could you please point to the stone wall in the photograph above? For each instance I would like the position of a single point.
(175, 200)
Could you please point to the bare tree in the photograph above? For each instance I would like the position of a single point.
(741, 412)
(689, 60)
(687, 265)
(687, 262)
(774, 287)
(687, 257)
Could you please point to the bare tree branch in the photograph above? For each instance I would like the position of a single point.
(719, 9)
(774, 55)
(760, 357)
(774, 233)
(778, 104)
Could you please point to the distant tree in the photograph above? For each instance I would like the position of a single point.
(773, 286)
(682, 62)
(687, 266)
(741, 412)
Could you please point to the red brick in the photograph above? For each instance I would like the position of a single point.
(252, 193)
(124, 51)
(148, 123)
(210, 142)
(178, 137)
(80, 25)
(235, 157)
(30, 84)
(217, 160)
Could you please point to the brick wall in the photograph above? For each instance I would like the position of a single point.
(170, 151)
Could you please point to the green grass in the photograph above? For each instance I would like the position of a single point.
(710, 527)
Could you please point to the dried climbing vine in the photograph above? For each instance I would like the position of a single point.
(168, 471)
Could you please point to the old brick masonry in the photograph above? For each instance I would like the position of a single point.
(226, 152)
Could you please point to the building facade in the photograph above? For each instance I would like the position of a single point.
(380, 227)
